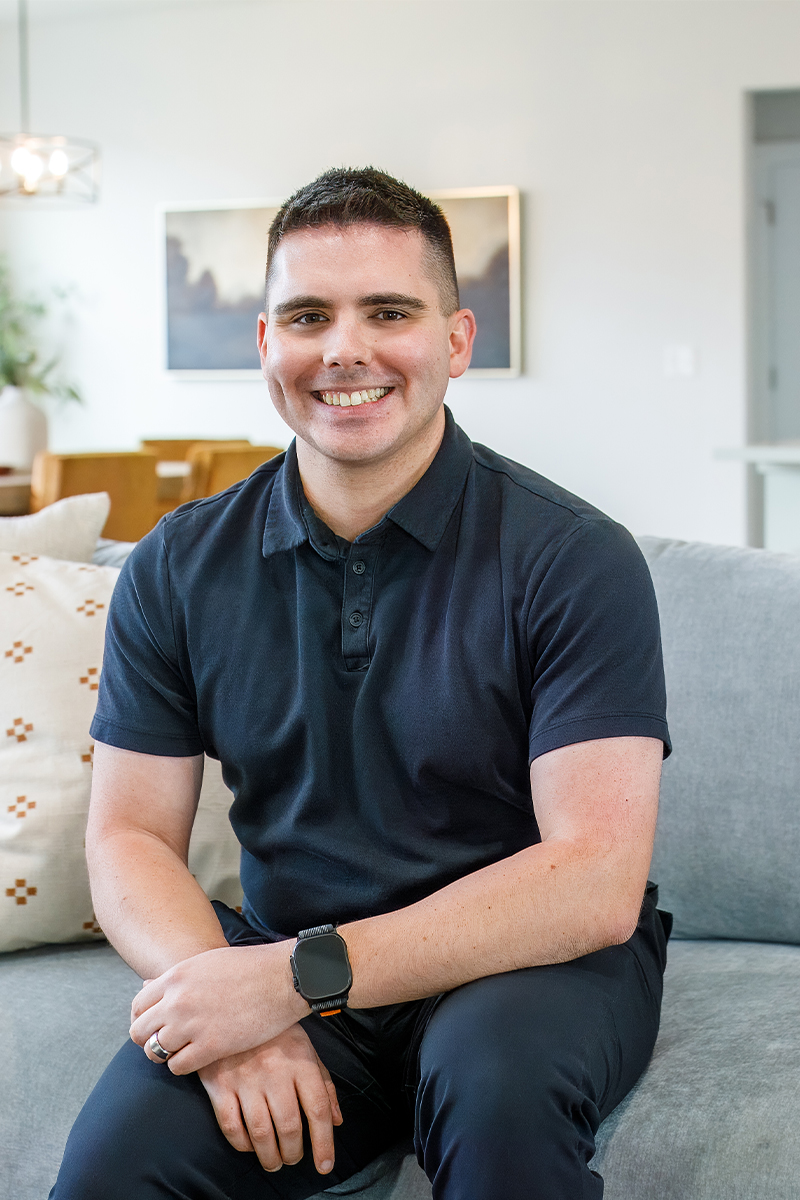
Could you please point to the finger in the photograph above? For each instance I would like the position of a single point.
(149, 994)
(191, 1058)
(336, 1112)
(261, 1132)
(285, 1112)
(230, 1120)
(316, 1103)
(330, 1087)
(151, 1054)
(147, 1023)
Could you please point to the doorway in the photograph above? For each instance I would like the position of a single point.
(774, 417)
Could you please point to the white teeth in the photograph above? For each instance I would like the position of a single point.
(345, 399)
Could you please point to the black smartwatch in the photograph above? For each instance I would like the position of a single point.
(321, 969)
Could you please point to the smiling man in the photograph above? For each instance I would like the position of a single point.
(434, 682)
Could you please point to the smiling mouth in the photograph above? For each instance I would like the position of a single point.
(352, 399)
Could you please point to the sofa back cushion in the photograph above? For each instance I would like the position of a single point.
(728, 840)
(68, 529)
(52, 622)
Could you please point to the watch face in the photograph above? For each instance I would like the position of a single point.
(322, 966)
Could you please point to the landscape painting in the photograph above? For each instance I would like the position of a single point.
(215, 258)
(215, 286)
(484, 223)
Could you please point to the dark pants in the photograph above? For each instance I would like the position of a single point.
(502, 1082)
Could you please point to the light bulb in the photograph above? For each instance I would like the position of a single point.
(19, 160)
(33, 171)
(59, 164)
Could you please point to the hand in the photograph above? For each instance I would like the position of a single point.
(257, 1098)
(218, 1003)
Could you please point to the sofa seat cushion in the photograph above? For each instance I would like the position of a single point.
(718, 1109)
(64, 1013)
(716, 1114)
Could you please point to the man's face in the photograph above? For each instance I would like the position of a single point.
(355, 348)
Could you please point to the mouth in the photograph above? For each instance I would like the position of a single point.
(352, 399)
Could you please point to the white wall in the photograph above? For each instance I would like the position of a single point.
(621, 120)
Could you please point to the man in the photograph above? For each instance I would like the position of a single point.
(434, 683)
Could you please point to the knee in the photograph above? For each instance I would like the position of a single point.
(139, 1124)
(499, 1071)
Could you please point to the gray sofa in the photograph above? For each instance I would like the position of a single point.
(716, 1114)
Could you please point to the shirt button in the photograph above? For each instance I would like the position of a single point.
(356, 619)
(359, 567)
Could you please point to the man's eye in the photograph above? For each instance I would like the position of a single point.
(390, 314)
(311, 318)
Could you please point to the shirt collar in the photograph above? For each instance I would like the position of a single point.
(423, 513)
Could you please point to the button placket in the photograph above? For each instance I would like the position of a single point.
(359, 574)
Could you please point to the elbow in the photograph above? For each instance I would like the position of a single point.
(621, 919)
(615, 917)
(622, 929)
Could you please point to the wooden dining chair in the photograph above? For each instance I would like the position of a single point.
(176, 449)
(128, 477)
(216, 467)
(172, 454)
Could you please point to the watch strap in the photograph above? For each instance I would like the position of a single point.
(329, 1007)
(315, 931)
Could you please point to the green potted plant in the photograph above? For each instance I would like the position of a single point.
(23, 374)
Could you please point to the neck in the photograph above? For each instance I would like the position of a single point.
(351, 497)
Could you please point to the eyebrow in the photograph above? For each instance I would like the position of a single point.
(392, 300)
(376, 300)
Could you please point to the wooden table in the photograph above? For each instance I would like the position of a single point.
(15, 489)
(15, 494)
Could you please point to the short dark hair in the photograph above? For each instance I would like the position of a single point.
(347, 196)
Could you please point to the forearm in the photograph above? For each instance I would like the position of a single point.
(147, 902)
(577, 891)
(546, 904)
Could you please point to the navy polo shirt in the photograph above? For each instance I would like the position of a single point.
(375, 705)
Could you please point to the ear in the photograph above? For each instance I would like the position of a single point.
(462, 334)
(262, 340)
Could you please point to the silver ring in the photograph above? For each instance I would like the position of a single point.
(155, 1047)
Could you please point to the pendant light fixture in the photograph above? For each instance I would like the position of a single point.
(44, 167)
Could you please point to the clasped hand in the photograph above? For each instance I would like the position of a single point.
(216, 1004)
(231, 1015)
(258, 1097)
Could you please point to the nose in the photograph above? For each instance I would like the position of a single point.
(347, 344)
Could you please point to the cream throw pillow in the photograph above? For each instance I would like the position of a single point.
(52, 621)
(67, 529)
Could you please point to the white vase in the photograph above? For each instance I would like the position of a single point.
(23, 429)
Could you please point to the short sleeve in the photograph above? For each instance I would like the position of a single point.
(145, 702)
(595, 644)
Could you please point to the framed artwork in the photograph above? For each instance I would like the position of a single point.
(215, 256)
(484, 223)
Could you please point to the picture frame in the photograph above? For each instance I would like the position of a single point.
(214, 255)
(485, 224)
